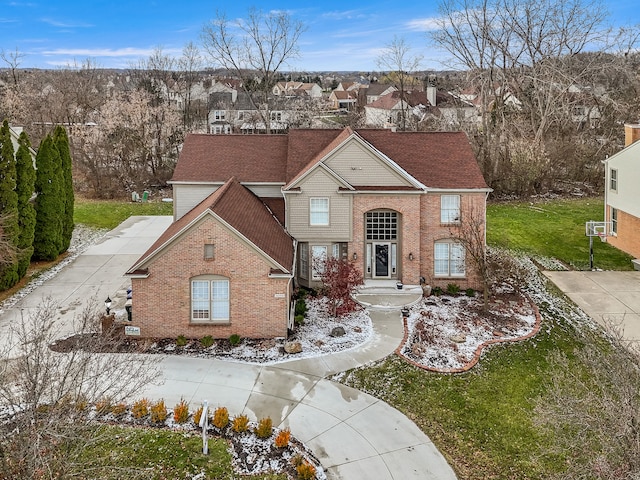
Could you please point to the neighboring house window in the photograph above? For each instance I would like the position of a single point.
(276, 116)
(209, 251)
(304, 260)
(613, 177)
(449, 259)
(219, 114)
(614, 221)
(318, 257)
(319, 211)
(382, 225)
(450, 209)
(240, 115)
(210, 299)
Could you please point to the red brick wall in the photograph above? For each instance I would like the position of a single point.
(409, 207)
(472, 205)
(628, 237)
(162, 305)
(420, 229)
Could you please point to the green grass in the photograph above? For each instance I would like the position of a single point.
(111, 213)
(480, 420)
(554, 229)
(159, 453)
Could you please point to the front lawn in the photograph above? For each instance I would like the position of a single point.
(554, 229)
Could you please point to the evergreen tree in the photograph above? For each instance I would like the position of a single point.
(47, 241)
(8, 204)
(25, 184)
(61, 141)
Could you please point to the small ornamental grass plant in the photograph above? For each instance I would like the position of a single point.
(220, 417)
(207, 341)
(181, 341)
(103, 406)
(282, 439)
(159, 412)
(181, 412)
(264, 428)
(140, 408)
(197, 415)
(240, 424)
(119, 409)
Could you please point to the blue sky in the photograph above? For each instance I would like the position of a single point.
(117, 33)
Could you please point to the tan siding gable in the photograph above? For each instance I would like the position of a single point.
(359, 166)
(188, 196)
(319, 183)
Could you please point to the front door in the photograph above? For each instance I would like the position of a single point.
(381, 260)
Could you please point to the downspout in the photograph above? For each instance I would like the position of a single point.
(291, 278)
(606, 189)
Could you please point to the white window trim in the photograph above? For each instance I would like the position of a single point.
(450, 269)
(449, 209)
(217, 310)
(614, 221)
(613, 180)
(317, 211)
(304, 260)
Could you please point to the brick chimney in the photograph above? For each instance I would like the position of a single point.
(631, 133)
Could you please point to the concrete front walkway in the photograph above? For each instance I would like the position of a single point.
(610, 298)
(353, 434)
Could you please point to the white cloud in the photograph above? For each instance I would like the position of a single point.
(423, 24)
(106, 52)
(59, 24)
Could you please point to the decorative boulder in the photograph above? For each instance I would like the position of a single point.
(292, 347)
(459, 338)
(337, 332)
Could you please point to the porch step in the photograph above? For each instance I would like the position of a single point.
(386, 294)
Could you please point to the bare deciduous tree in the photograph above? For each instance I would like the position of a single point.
(397, 58)
(254, 49)
(593, 399)
(47, 395)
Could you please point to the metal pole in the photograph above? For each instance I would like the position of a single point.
(204, 424)
(590, 253)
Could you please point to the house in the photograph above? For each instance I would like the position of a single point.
(343, 99)
(290, 89)
(387, 110)
(254, 215)
(373, 92)
(622, 195)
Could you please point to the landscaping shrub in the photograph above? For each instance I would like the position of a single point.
(470, 292)
(240, 424)
(220, 417)
(306, 471)
(118, 409)
(103, 406)
(437, 291)
(140, 408)
(453, 288)
(181, 341)
(159, 412)
(235, 339)
(264, 428)
(282, 439)
(301, 307)
(196, 416)
(207, 341)
(181, 412)
(299, 320)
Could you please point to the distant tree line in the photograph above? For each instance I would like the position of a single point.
(36, 202)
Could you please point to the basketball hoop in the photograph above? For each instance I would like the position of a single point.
(602, 236)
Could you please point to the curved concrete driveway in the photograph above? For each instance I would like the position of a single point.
(354, 435)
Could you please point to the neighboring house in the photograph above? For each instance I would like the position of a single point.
(290, 89)
(386, 112)
(254, 215)
(343, 99)
(622, 195)
(373, 92)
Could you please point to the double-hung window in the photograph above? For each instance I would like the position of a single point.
(613, 180)
(210, 299)
(450, 209)
(319, 211)
(449, 259)
(614, 221)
